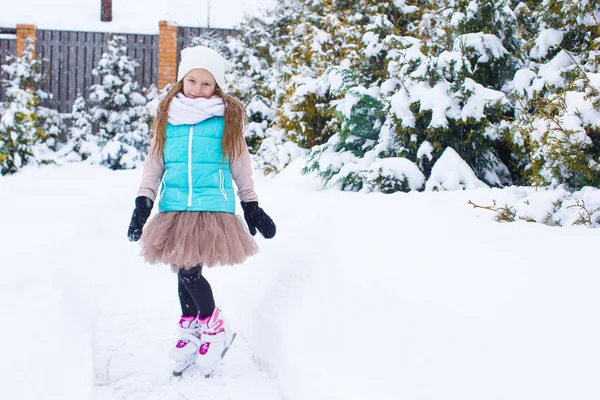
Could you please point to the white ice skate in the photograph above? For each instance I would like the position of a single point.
(185, 351)
(216, 337)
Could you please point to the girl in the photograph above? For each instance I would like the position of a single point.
(197, 149)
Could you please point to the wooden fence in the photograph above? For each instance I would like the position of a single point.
(8, 47)
(68, 59)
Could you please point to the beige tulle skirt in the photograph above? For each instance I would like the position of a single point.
(186, 239)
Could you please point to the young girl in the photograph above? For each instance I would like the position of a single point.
(197, 149)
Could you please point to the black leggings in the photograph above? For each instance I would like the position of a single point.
(195, 294)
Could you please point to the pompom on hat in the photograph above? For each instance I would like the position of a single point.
(205, 58)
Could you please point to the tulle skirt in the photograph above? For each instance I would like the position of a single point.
(186, 239)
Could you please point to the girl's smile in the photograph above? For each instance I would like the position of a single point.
(198, 83)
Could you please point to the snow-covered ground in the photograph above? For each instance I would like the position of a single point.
(359, 296)
(134, 16)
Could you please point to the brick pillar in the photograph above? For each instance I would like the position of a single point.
(25, 32)
(167, 55)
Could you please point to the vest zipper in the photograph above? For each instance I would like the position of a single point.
(163, 187)
(190, 186)
(222, 185)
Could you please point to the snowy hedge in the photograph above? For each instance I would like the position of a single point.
(28, 132)
(511, 88)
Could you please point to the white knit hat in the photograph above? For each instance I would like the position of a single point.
(205, 58)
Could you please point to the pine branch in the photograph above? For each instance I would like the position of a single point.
(503, 214)
(585, 215)
(575, 61)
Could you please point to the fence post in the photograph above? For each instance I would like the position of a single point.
(25, 32)
(167, 54)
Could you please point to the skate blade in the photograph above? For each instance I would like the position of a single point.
(230, 343)
(210, 374)
(178, 370)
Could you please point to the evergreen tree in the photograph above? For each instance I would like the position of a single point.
(20, 123)
(84, 142)
(374, 89)
(558, 97)
(342, 40)
(118, 115)
(427, 98)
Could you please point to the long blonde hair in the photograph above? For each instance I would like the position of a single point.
(235, 116)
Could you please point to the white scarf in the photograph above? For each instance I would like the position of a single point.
(186, 111)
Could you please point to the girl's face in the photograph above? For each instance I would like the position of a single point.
(198, 83)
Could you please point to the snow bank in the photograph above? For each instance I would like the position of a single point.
(554, 207)
(45, 303)
(411, 296)
(359, 296)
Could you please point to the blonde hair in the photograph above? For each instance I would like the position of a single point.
(235, 116)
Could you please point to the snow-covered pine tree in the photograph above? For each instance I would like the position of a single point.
(358, 118)
(444, 88)
(19, 124)
(323, 37)
(423, 98)
(558, 96)
(118, 114)
(83, 141)
(493, 63)
(360, 154)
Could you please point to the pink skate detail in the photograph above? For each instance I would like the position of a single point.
(186, 321)
(212, 324)
(217, 326)
(181, 344)
(204, 348)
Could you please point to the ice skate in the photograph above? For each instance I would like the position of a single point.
(185, 351)
(216, 337)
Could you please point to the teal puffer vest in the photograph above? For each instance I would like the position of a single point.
(196, 178)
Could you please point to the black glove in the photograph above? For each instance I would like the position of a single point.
(256, 218)
(143, 208)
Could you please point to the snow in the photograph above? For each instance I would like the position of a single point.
(456, 18)
(580, 107)
(594, 80)
(546, 39)
(397, 168)
(450, 172)
(481, 96)
(359, 296)
(425, 149)
(435, 99)
(550, 72)
(406, 9)
(374, 47)
(400, 104)
(84, 15)
(482, 44)
(351, 99)
(522, 81)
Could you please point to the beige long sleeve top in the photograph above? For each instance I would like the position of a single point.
(154, 169)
